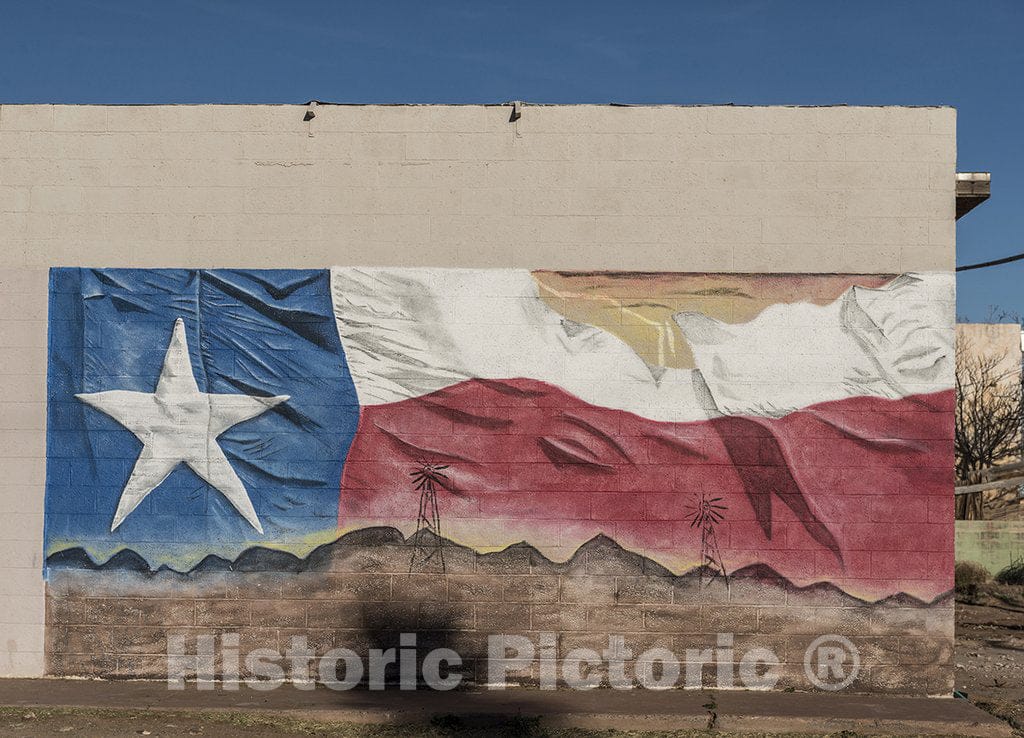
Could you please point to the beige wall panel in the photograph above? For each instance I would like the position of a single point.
(838, 189)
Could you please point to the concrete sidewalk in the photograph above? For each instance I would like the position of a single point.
(634, 710)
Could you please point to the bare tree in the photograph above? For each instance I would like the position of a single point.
(988, 419)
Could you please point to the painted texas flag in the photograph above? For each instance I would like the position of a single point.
(198, 412)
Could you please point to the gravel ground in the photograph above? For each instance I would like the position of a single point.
(990, 652)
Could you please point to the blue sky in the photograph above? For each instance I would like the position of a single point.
(920, 52)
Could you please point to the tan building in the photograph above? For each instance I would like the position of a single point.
(998, 341)
(577, 324)
(992, 350)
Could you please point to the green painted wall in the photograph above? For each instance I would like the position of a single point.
(992, 543)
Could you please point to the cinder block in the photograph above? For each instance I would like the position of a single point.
(256, 118)
(424, 201)
(419, 588)
(558, 617)
(675, 119)
(896, 120)
(352, 118)
(454, 146)
(272, 613)
(17, 583)
(24, 361)
(926, 258)
(628, 229)
(92, 118)
(942, 233)
(24, 664)
(191, 118)
(362, 146)
(584, 119)
(26, 118)
(882, 259)
(14, 199)
(475, 588)
(494, 618)
(615, 620)
(942, 120)
(160, 145)
(840, 119)
(595, 146)
(165, 612)
(926, 148)
(284, 200)
(292, 145)
(535, 589)
(660, 203)
(884, 231)
(332, 614)
(132, 118)
(724, 619)
(807, 147)
(731, 175)
(790, 230)
(22, 610)
(787, 257)
(219, 613)
(19, 554)
(727, 230)
(57, 199)
(25, 640)
(540, 146)
(737, 119)
(14, 227)
(416, 118)
(23, 333)
(733, 147)
(672, 618)
(587, 589)
(446, 616)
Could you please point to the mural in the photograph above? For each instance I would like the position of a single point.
(193, 413)
(794, 429)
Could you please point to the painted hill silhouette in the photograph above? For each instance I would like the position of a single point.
(386, 549)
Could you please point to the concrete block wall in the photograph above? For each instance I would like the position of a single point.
(729, 189)
(995, 544)
(361, 596)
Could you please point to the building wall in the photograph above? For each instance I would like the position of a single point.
(995, 544)
(851, 195)
(1001, 343)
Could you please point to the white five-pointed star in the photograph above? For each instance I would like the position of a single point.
(179, 424)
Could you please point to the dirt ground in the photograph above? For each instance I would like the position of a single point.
(108, 724)
(111, 723)
(990, 651)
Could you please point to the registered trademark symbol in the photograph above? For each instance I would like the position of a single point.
(831, 662)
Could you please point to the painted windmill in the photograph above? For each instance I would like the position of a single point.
(427, 538)
(707, 514)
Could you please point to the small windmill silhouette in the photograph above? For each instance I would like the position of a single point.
(707, 514)
(426, 479)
